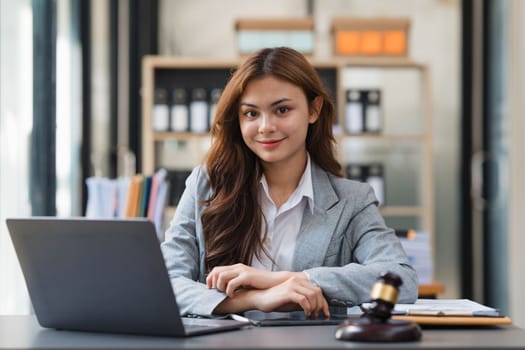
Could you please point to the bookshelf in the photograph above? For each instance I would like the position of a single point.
(339, 75)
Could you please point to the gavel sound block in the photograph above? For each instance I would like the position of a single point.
(376, 324)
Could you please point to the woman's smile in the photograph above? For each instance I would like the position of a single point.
(270, 144)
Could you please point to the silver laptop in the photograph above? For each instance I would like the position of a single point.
(101, 276)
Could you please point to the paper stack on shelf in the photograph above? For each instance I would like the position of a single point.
(123, 184)
(158, 200)
(102, 193)
(129, 197)
(417, 248)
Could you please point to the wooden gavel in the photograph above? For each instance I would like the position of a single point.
(376, 324)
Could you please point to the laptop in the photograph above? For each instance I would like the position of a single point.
(102, 276)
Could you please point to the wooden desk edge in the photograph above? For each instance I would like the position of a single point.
(456, 320)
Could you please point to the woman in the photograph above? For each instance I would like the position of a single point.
(268, 223)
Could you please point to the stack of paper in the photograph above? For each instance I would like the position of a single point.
(461, 312)
(437, 307)
(445, 307)
(418, 250)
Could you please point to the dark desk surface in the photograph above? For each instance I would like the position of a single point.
(23, 332)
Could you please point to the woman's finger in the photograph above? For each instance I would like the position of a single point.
(302, 301)
(224, 278)
(314, 294)
(215, 273)
(233, 284)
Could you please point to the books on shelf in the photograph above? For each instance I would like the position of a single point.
(133, 197)
(129, 197)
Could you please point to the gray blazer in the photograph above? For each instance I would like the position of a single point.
(343, 246)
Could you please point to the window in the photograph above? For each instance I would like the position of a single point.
(16, 114)
(23, 192)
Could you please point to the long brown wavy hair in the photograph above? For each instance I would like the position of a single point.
(232, 219)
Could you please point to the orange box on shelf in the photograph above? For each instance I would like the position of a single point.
(383, 37)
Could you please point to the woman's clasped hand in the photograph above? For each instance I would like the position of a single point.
(270, 291)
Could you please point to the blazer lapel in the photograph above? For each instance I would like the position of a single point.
(318, 228)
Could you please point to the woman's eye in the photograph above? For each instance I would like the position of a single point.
(250, 114)
(282, 110)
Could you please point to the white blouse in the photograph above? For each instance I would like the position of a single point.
(284, 222)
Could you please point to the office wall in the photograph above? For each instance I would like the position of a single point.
(516, 30)
(206, 28)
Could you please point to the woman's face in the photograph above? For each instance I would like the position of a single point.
(274, 118)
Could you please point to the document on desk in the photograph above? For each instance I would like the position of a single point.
(447, 312)
(445, 307)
